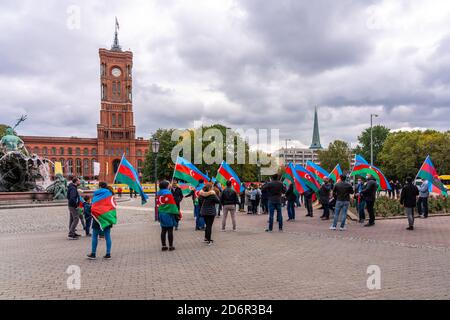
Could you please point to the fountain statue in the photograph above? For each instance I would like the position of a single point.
(20, 171)
(58, 188)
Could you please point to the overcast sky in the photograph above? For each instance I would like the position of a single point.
(246, 64)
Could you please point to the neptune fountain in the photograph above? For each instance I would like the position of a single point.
(21, 171)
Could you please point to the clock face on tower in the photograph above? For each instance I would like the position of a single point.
(116, 72)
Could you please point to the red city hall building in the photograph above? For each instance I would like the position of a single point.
(116, 132)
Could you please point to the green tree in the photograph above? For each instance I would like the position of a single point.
(380, 133)
(246, 171)
(403, 153)
(3, 128)
(338, 152)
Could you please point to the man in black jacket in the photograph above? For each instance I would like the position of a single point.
(408, 198)
(73, 202)
(275, 190)
(291, 197)
(369, 193)
(178, 197)
(341, 192)
(229, 199)
(324, 198)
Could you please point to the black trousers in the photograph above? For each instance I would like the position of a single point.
(326, 210)
(169, 233)
(209, 220)
(370, 210)
(308, 205)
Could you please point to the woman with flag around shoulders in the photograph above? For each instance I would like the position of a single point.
(168, 214)
(103, 211)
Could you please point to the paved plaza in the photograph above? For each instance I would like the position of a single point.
(306, 261)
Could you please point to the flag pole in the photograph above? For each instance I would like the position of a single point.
(121, 160)
(173, 173)
(421, 167)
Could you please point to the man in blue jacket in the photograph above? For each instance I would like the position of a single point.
(73, 201)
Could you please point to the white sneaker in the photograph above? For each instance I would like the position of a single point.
(223, 230)
(342, 229)
(332, 228)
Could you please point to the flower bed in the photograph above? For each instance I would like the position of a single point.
(387, 207)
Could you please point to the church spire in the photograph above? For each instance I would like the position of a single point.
(116, 46)
(315, 145)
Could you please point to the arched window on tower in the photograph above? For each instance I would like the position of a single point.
(113, 120)
(130, 95)
(120, 120)
(114, 88)
(118, 88)
(104, 91)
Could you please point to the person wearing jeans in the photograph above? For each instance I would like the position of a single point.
(342, 191)
(103, 192)
(422, 204)
(275, 190)
(291, 198)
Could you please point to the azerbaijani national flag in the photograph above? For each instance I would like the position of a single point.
(126, 174)
(186, 171)
(428, 172)
(362, 167)
(185, 188)
(319, 172)
(293, 176)
(226, 173)
(308, 178)
(165, 202)
(335, 175)
(104, 208)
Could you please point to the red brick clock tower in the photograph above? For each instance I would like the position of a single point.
(116, 131)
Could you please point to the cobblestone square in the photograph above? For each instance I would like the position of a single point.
(307, 261)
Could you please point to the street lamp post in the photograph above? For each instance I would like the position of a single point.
(155, 150)
(371, 137)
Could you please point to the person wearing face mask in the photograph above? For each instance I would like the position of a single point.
(369, 192)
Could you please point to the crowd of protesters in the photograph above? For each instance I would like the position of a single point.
(267, 198)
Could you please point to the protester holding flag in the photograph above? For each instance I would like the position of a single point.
(178, 196)
(422, 204)
(168, 214)
(229, 199)
(104, 213)
(369, 193)
(199, 220)
(408, 198)
(207, 201)
(127, 174)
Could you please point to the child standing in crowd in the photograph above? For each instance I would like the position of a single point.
(168, 214)
(87, 215)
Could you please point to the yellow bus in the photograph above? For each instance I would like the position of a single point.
(445, 180)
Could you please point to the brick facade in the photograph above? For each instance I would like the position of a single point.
(116, 133)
